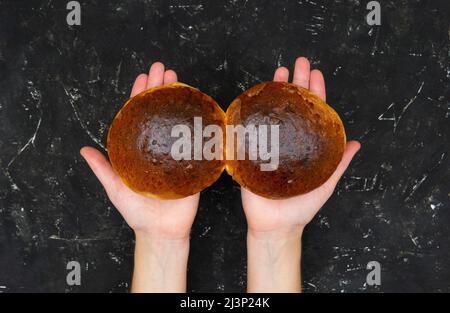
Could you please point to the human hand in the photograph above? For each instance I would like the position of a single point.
(275, 227)
(265, 216)
(162, 227)
(166, 219)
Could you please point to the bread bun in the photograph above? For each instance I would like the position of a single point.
(139, 142)
(311, 139)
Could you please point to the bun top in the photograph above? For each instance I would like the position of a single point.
(139, 142)
(311, 139)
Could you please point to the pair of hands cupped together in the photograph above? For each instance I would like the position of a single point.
(173, 219)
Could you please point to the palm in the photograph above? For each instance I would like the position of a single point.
(164, 218)
(168, 218)
(266, 214)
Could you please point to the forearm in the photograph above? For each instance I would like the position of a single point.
(273, 261)
(160, 265)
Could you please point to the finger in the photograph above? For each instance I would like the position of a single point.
(155, 75)
(170, 77)
(301, 72)
(350, 151)
(102, 169)
(317, 84)
(281, 74)
(139, 84)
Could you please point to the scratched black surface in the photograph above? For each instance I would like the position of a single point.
(60, 87)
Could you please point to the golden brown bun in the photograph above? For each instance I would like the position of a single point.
(139, 142)
(311, 136)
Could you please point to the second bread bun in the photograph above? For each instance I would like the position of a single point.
(311, 139)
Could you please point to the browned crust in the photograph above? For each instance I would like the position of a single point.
(122, 162)
(324, 121)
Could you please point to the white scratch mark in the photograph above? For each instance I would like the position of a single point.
(76, 239)
(368, 233)
(357, 183)
(187, 6)
(72, 99)
(411, 101)
(382, 218)
(375, 43)
(419, 182)
(251, 75)
(116, 80)
(416, 185)
(394, 118)
(382, 118)
(223, 66)
(314, 4)
(279, 60)
(114, 258)
(205, 231)
(312, 285)
(36, 95)
(414, 240)
(351, 269)
(30, 141)
(337, 70)
(241, 86)
(190, 9)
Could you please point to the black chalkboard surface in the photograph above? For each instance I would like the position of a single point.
(61, 85)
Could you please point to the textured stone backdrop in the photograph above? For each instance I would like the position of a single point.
(60, 87)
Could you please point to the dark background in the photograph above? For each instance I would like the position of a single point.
(60, 87)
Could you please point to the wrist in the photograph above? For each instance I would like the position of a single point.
(287, 232)
(160, 263)
(146, 239)
(273, 260)
(161, 236)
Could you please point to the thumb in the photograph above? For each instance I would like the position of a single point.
(350, 151)
(102, 169)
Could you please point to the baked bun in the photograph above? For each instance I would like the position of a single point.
(139, 142)
(311, 139)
